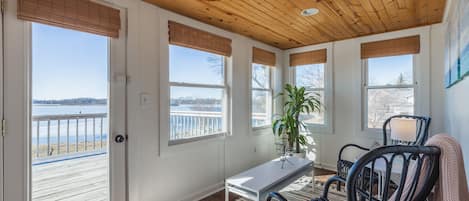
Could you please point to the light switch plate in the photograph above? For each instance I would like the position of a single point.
(145, 99)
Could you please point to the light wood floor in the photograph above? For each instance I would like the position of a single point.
(79, 179)
(86, 179)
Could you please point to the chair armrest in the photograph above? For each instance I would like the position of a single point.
(276, 196)
(351, 145)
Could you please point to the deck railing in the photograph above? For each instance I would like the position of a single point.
(191, 124)
(56, 135)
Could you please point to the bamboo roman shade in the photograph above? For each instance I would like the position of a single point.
(311, 57)
(393, 47)
(186, 36)
(81, 15)
(260, 56)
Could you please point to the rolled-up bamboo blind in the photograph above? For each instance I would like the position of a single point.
(260, 56)
(81, 15)
(186, 36)
(311, 57)
(392, 47)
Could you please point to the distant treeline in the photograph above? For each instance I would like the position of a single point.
(74, 101)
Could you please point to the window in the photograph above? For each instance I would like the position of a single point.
(261, 97)
(198, 94)
(312, 77)
(389, 88)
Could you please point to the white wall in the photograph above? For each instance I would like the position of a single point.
(194, 169)
(457, 111)
(187, 171)
(457, 106)
(347, 90)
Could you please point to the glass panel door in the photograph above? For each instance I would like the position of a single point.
(1, 109)
(74, 118)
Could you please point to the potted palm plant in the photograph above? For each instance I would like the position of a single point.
(297, 101)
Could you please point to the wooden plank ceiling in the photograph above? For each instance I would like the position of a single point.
(279, 22)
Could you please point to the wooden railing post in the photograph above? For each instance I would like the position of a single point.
(58, 136)
(37, 138)
(48, 139)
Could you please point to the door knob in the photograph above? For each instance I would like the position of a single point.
(119, 139)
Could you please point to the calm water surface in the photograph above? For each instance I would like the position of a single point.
(83, 134)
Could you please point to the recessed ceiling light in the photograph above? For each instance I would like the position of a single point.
(309, 11)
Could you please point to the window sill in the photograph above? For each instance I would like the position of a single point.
(372, 133)
(261, 130)
(196, 139)
(180, 147)
(315, 129)
(261, 127)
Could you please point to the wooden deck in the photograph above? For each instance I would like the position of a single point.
(78, 179)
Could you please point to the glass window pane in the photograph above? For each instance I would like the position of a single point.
(260, 76)
(195, 112)
(384, 103)
(194, 66)
(310, 76)
(395, 70)
(261, 108)
(315, 117)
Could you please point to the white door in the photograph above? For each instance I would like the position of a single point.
(1, 109)
(16, 86)
(118, 114)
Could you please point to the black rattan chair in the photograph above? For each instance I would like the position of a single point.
(423, 123)
(419, 171)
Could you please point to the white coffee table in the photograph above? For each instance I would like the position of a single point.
(257, 182)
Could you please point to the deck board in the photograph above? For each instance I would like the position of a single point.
(76, 179)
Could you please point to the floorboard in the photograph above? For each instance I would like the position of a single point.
(86, 179)
(79, 179)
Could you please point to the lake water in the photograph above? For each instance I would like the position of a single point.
(67, 109)
(83, 134)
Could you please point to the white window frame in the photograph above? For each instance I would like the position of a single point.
(161, 126)
(328, 104)
(314, 127)
(270, 90)
(225, 104)
(365, 88)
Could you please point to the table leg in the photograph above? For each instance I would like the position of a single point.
(227, 192)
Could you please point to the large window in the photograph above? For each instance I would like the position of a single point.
(311, 76)
(198, 94)
(261, 95)
(389, 88)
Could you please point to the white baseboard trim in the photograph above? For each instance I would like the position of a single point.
(205, 192)
(326, 166)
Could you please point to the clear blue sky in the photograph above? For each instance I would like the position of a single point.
(73, 64)
(68, 64)
(386, 70)
(193, 66)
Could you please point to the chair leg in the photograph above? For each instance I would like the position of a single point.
(339, 184)
(328, 183)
